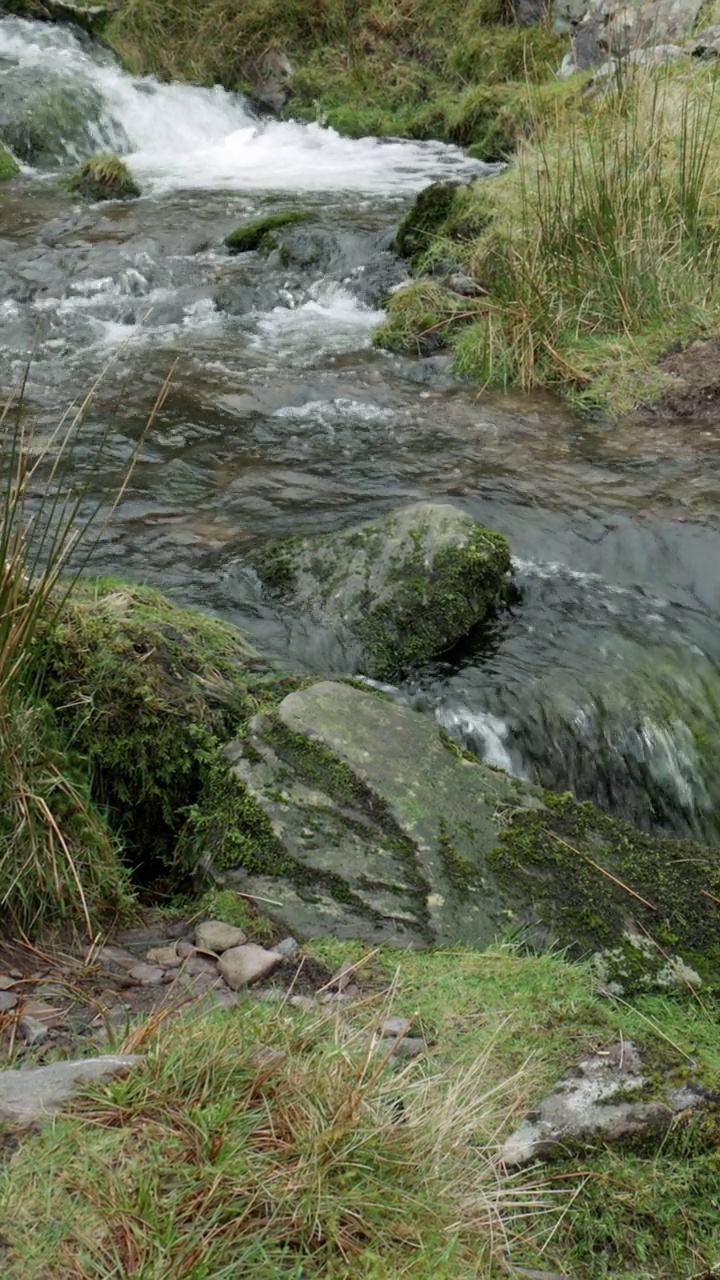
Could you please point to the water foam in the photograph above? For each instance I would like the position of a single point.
(184, 137)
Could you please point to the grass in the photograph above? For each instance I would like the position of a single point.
(381, 67)
(600, 251)
(269, 1142)
(58, 855)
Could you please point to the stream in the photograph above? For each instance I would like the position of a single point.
(282, 419)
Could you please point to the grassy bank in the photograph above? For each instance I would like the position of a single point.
(595, 253)
(270, 1142)
(412, 69)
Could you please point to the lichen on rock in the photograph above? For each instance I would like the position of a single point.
(406, 586)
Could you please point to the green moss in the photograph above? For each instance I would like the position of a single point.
(561, 852)
(258, 234)
(432, 210)
(423, 317)
(149, 693)
(461, 873)
(434, 602)
(9, 168)
(103, 178)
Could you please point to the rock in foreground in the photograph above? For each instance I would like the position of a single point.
(104, 178)
(406, 586)
(363, 820)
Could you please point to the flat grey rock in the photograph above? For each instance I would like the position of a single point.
(146, 975)
(216, 936)
(28, 1096)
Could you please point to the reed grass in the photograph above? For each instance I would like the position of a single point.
(58, 855)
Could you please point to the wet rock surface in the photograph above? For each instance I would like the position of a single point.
(406, 587)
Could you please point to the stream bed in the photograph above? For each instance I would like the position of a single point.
(283, 419)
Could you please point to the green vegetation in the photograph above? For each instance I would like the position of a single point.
(364, 67)
(9, 168)
(103, 178)
(270, 1142)
(258, 234)
(597, 250)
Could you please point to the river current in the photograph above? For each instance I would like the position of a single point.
(283, 419)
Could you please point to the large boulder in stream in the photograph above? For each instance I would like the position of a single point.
(406, 586)
(358, 817)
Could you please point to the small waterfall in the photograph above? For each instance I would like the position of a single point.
(182, 137)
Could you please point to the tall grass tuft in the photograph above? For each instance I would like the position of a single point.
(58, 857)
(267, 1144)
(606, 233)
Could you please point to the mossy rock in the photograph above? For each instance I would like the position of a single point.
(103, 178)
(258, 234)
(9, 168)
(362, 819)
(51, 122)
(148, 693)
(430, 213)
(406, 586)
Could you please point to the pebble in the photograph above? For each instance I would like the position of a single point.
(32, 1030)
(287, 947)
(393, 1027)
(184, 949)
(115, 958)
(146, 975)
(165, 957)
(241, 966)
(8, 1001)
(216, 936)
(6, 982)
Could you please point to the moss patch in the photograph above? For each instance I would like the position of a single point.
(149, 693)
(103, 178)
(258, 234)
(575, 860)
(9, 168)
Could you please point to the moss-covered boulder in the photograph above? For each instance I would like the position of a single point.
(362, 819)
(49, 120)
(148, 693)
(406, 586)
(9, 168)
(258, 234)
(103, 178)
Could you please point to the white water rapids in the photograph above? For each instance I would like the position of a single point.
(178, 137)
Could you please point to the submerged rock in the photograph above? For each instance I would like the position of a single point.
(51, 119)
(363, 820)
(104, 178)
(406, 586)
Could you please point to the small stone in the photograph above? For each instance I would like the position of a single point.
(303, 1002)
(287, 947)
(216, 936)
(184, 949)
(410, 1046)
(8, 1001)
(180, 929)
(44, 1012)
(241, 966)
(32, 1030)
(115, 958)
(344, 975)
(196, 965)
(165, 957)
(146, 975)
(394, 1028)
(6, 982)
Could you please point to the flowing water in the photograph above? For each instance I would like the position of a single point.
(282, 419)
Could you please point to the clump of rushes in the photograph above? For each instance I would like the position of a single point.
(600, 249)
(268, 1145)
(103, 178)
(58, 857)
